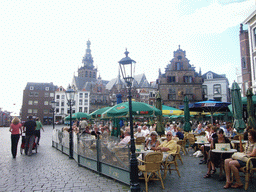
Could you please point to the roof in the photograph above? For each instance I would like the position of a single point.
(84, 82)
(215, 75)
(246, 21)
(41, 86)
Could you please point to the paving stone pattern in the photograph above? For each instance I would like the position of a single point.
(50, 170)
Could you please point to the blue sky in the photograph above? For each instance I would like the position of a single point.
(45, 41)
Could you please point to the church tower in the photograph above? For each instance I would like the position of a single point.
(88, 70)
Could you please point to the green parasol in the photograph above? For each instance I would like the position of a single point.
(250, 109)
(159, 125)
(187, 126)
(237, 108)
(97, 113)
(78, 115)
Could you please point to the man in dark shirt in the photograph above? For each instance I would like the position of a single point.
(30, 127)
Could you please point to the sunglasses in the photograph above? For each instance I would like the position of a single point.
(169, 135)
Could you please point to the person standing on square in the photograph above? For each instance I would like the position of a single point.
(30, 127)
(15, 129)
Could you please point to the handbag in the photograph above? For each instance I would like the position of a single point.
(240, 156)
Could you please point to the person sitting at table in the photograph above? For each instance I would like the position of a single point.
(214, 158)
(179, 134)
(126, 139)
(174, 130)
(206, 149)
(139, 133)
(145, 131)
(152, 143)
(95, 131)
(234, 165)
(199, 128)
(168, 128)
(246, 132)
(169, 146)
(229, 132)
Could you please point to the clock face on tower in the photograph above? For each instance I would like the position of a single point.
(179, 57)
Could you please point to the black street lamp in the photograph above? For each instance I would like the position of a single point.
(70, 94)
(127, 66)
(53, 103)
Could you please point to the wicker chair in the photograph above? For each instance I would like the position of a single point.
(167, 163)
(182, 143)
(248, 170)
(152, 166)
(140, 140)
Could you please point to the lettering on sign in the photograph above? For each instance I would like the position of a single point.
(209, 104)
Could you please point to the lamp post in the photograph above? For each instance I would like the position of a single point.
(70, 94)
(53, 103)
(127, 66)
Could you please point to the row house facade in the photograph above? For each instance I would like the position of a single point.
(179, 80)
(215, 87)
(250, 21)
(36, 102)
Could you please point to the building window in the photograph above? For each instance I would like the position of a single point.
(57, 104)
(254, 34)
(46, 88)
(85, 109)
(99, 89)
(35, 102)
(188, 90)
(243, 63)
(80, 102)
(30, 102)
(46, 94)
(34, 111)
(62, 104)
(209, 76)
(57, 110)
(172, 96)
(94, 75)
(216, 89)
(188, 79)
(171, 79)
(62, 110)
(90, 74)
(80, 109)
(85, 95)
(29, 110)
(86, 73)
(45, 111)
(51, 94)
(57, 96)
(31, 88)
(36, 94)
(86, 102)
(80, 95)
(62, 96)
(46, 102)
(205, 89)
(178, 66)
(31, 94)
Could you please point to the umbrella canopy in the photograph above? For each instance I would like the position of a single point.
(250, 109)
(78, 115)
(237, 107)
(187, 126)
(138, 108)
(210, 106)
(98, 112)
(166, 110)
(159, 125)
(244, 99)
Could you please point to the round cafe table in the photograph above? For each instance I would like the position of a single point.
(237, 142)
(230, 151)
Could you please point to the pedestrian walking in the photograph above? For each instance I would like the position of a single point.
(15, 129)
(30, 127)
(39, 126)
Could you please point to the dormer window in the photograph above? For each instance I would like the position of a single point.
(46, 88)
(31, 88)
(209, 76)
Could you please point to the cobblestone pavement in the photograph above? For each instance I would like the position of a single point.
(50, 170)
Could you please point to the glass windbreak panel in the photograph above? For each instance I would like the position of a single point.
(65, 138)
(114, 154)
(75, 137)
(87, 147)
